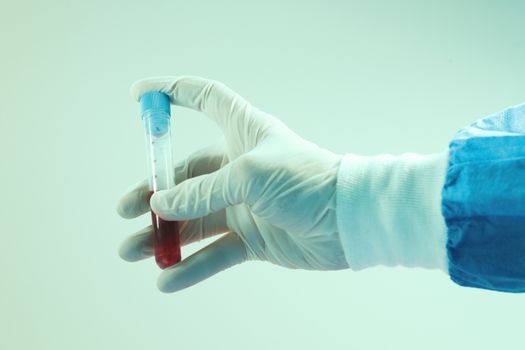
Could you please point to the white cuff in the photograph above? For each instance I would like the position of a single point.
(389, 210)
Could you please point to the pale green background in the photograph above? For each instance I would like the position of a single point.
(364, 77)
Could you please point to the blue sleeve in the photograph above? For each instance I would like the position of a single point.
(483, 203)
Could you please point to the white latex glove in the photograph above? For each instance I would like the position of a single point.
(272, 191)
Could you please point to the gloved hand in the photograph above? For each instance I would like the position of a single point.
(270, 190)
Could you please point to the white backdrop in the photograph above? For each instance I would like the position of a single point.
(380, 77)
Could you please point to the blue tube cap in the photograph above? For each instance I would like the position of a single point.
(155, 102)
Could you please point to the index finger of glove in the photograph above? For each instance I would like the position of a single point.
(135, 201)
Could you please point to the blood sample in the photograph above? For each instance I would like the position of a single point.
(165, 241)
(155, 108)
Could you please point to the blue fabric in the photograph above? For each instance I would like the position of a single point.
(484, 203)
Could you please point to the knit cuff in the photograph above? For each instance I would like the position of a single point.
(389, 210)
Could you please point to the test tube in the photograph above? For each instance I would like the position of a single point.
(155, 108)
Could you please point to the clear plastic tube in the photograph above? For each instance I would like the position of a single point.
(156, 119)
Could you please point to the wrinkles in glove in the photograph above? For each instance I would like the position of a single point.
(272, 192)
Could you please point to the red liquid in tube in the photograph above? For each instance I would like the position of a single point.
(166, 241)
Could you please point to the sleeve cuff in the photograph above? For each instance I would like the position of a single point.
(389, 210)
